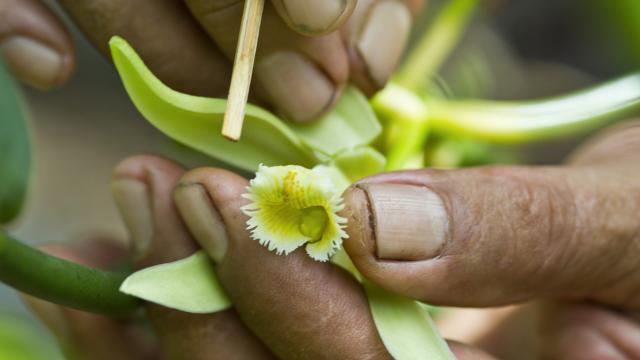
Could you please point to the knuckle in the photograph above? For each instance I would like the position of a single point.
(536, 219)
(617, 144)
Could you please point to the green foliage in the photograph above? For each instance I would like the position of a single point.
(619, 20)
(18, 340)
(350, 124)
(340, 141)
(189, 285)
(405, 327)
(15, 156)
(197, 121)
(359, 163)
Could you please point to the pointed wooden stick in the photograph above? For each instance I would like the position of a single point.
(242, 69)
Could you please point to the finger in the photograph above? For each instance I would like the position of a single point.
(88, 336)
(301, 76)
(499, 235)
(376, 36)
(507, 332)
(619, 144)
(35, 44)
(300, 308)
(161, 31)
(143, 189)
(311, 17)
(588, 332)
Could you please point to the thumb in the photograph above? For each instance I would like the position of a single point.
(313, 17)
(498, 235)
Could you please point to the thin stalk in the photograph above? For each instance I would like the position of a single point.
(436, 44)
(60, 281)
(408, 127)
(402, 153)
(517, 122)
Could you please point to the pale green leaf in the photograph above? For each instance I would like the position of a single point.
(351, 124)
(405, 327)
(189, 285)
(15, 157)
(360, 162)
(197, 121)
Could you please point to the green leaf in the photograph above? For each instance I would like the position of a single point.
(197, 121)
(359, 163)
(405, 327)
(351, 124)
(189, 285)
(15, 155)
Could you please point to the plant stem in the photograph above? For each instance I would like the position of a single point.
(61, 281)
(408, 126)
(517, 122)
(436, 44)
(401, 153)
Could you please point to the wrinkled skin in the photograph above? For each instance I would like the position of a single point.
(295, 308)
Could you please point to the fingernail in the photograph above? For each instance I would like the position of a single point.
(202, 219)
(296, 85)
(382, 39)
(410, 222)
(313, 16)
(32, 62)
(134, 203)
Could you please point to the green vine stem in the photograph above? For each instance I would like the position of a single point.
(407, 128)
(518, 122)
(62, 282)
(503, 122)
(436, 44)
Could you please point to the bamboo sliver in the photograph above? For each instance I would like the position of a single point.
(243, 69)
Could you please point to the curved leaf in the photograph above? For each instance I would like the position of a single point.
(352, 123)
(405, 327)
(360, 162)
(197, 121)
(15, 155)
(189, 285)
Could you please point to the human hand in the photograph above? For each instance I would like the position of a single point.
(491, 236)
(284, 307)
(308, 49)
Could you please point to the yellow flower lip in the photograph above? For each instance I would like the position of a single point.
(292, 206)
